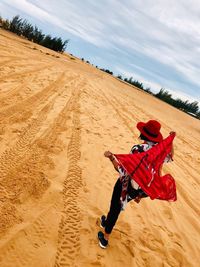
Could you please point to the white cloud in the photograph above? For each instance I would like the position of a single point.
(183, 96)
(34, 11)
(87, 30)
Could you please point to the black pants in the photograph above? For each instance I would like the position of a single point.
(115, 206)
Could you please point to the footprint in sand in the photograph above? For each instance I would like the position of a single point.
(168, 213)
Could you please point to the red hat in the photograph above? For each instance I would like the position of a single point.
(151, 130)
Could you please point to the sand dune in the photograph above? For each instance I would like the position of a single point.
(57, 117)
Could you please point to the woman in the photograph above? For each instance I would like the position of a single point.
(150, 135)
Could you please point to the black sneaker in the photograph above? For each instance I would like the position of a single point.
(103, 243)
(103, 221)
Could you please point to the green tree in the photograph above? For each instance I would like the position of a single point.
(5, 24)
(16, 25)
(38, 36)
(23, 27)
(46, 41)
(193, 107)
(27, 30)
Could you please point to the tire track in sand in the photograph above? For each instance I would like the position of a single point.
(21, 150)
(34, 241)
(114, 104)
(119, 113)
(40, 96)
(5, 62)
(68, 234)
(39, 236)
(11, 157)
(20, 88)
(23, 73)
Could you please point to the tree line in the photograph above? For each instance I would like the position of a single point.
(24, 28)
(191, 108)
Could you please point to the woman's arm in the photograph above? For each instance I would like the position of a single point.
(172, 151)
(110, 155)
(168, 158)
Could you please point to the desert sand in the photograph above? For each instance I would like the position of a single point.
(57, 117)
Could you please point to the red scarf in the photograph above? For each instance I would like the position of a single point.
(144, 169)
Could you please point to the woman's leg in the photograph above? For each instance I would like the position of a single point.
(115, 208)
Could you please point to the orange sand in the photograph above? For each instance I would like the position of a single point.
(57, 117)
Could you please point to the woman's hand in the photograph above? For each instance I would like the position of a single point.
(108, 154)
(137, 199)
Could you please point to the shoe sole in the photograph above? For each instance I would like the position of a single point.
(102, 245)
(101, 225)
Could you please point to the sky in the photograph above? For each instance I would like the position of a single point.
(154, 41)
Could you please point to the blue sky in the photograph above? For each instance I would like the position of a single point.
(154, 41)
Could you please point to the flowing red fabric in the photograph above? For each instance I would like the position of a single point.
(144, 169)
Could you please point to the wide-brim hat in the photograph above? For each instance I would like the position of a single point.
(151, 130)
